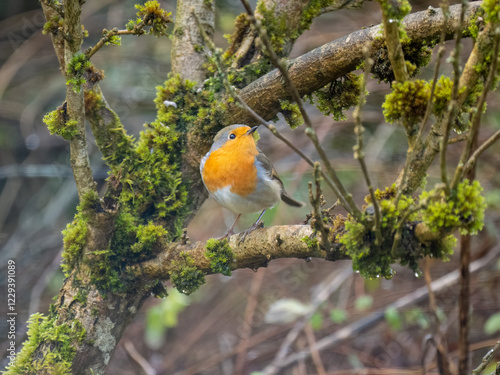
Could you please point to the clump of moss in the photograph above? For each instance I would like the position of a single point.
(185, 276)
(463, 208)
(59, 341)
(58, 123)
(275, 25)
(221, 256)
(74, 238)
(291, 113)
(54, 25)
(399, 243)
(340, 95)
(417, 54)
(311, 242)
(151, 14)
(131, 243)
(491, 10)
(75, 71)
(407, 102)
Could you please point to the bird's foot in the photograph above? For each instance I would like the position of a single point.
(229, 233)
(251, 229)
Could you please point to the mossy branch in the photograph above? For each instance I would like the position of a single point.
(79, 157)
(333, 60)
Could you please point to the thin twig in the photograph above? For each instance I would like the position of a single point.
(340, 189)
(316, 357)
(329, 287)
(248, 317)
(487, 359)
(418, 139)
(472, 160)
(359, 153)
(453, 106)
(476, 118)
(138, 358)
(108, 34)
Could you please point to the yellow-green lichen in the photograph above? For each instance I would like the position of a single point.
(221, 256)
(58, 124)
(59, 341)
(151, 14)
(463, 208)
(374, 260)
(311, 242)
(185, 276)
(407, 102)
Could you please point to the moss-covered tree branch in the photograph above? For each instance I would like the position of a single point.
(333, 60)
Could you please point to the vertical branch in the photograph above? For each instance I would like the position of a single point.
(476, 118)
(358, 149)
(79, 157)
(187, 59)
(392, 41)
(454, 104)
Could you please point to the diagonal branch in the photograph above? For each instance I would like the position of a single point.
(333, 60)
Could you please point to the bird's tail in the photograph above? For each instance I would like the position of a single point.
(289, 200)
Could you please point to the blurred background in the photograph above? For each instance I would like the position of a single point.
(231, 325)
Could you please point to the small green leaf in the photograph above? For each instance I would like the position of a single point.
(492, 325)
(363, 303)
(393, 317)
(338, 316)
(316, 321)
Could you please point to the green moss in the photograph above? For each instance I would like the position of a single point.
(58, 124)
(148, 236)
(74, 238)
(291, 113)
(373, 260)
(463, 209)
(185, 276)
(221, 256)
(131, 243)
(340, 95)
(75, 71)
(311, 242)
(407, 102)
(59, 341)
(275, 25)
(417, 55)
(492, 11)
(152, 14)
(54, 25)
(442, 95)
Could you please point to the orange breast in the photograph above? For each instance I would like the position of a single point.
(233, 165)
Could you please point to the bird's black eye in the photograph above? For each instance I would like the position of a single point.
(232, 136)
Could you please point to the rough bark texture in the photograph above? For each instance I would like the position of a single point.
(333, 60)
(187, 45)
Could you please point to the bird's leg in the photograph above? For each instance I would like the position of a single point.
(254, 226)
(230, 232)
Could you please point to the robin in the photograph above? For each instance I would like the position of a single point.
(240, 177)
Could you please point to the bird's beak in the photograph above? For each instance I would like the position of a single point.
(250, 131)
